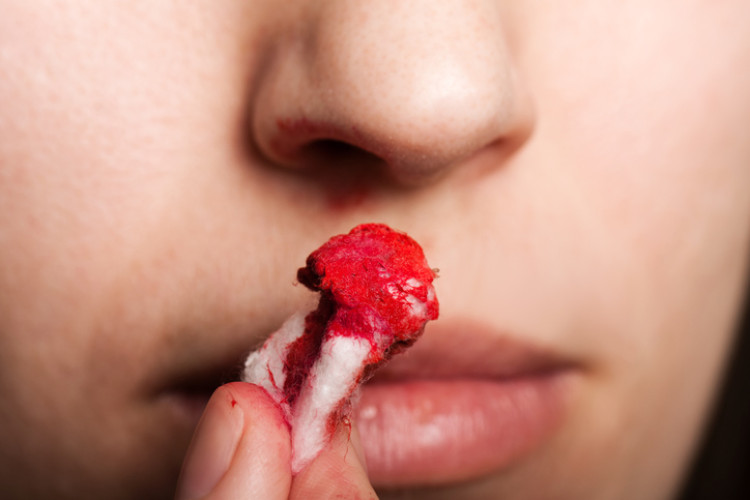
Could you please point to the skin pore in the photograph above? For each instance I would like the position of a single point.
(577, 170)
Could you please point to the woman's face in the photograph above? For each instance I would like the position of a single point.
(577, 171)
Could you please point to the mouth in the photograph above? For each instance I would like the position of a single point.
(186, 392)
(464, 402)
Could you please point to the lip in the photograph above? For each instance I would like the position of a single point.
(464, 402)
(186, 391)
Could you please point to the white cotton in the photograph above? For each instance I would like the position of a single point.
(412, 284)
(265, 367)
(417, 308)
(332, 379)
(401, 292)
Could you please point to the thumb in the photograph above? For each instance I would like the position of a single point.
(337, 472)
(240, 449)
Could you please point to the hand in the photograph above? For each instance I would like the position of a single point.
(241, 449)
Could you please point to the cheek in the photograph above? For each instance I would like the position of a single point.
(91, 174)
(626, 220)
(644, 129)
(652, 146)
(92, 171)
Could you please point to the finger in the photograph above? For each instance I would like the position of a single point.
(339, 470)
(241, 448)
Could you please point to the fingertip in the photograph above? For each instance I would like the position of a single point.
(338, 471)
(213, 446)
(241, 448)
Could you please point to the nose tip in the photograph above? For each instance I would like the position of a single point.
(415, 92)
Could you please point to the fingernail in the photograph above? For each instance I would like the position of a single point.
(213, 446)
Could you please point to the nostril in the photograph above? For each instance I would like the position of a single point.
(346, 174)
(340, 162)
(333, 152)
(314, 145)
(332, 147)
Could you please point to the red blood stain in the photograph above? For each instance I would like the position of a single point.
(365, 279)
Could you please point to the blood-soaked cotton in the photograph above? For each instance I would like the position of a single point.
(376, 295)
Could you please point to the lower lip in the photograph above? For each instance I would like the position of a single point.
(432, 432)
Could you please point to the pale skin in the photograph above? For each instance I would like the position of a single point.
(577, 170)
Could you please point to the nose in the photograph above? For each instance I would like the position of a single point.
(418, 87)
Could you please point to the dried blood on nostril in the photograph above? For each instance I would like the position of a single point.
(376, 296)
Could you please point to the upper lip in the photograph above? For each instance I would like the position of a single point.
(463, 348)
(198, 368)
(449, 349)
(202, 380)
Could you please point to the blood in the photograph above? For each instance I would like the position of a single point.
(305, 350)
(369, 280)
